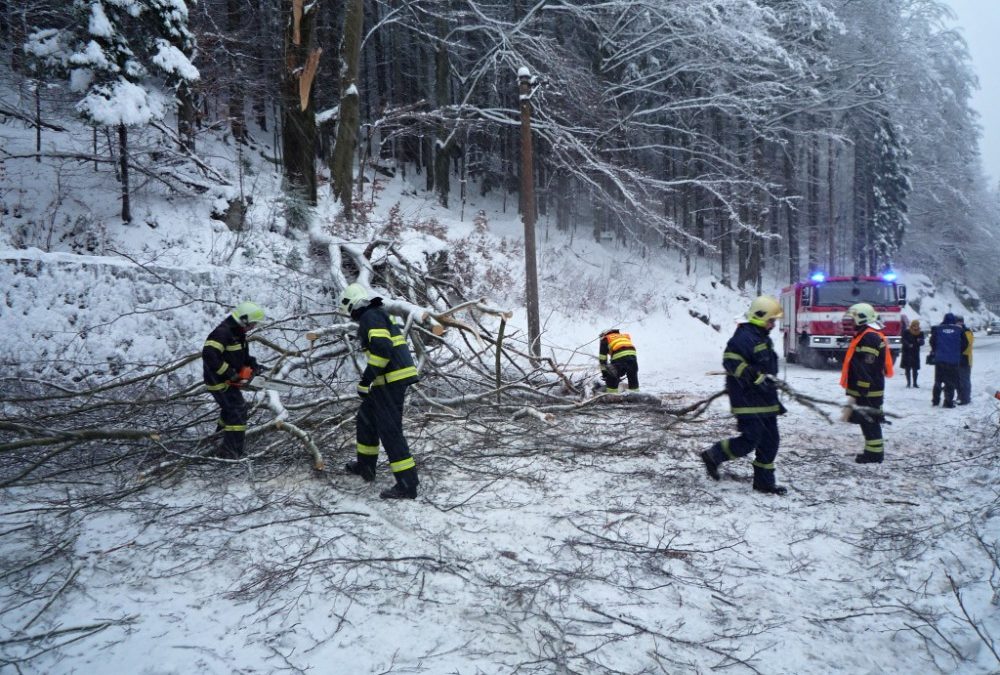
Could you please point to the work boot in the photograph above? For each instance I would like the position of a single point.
(948, 404)
(397, 491)
(366, 471)
(405, 487)
(869, 458)
(710, 466)
(770, 489)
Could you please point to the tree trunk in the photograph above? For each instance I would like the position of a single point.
(791, 213)
(443, 146)
(237, 116)
(123, 164)
(347, 127)
(298, 131)
(186, 117)
(812, 189)
(528, 216)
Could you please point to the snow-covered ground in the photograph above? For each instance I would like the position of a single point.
(590, 542)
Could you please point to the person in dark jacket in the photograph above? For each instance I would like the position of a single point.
(909, 360)
(948, 341)
(964, 390)
(226, 367)
(751, 365)
(867, 363)
(388, 372)
(618, 360)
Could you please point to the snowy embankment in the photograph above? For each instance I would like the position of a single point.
(589, 543)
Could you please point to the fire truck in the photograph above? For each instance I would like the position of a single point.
(813, 326)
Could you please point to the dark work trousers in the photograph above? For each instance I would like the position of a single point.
(871, 428)
(380, 418)
(945, 377)
(964, 384)
(756, 433)
(627, 367)
(911, 376)
(232, 422)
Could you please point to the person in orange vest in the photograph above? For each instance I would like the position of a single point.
(866, 365)
(618, 360)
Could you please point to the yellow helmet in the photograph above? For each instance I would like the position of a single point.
(763, 309)
(863, 314)
(247, 313)
(354, 297)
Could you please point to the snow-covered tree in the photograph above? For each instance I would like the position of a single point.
(121, 56)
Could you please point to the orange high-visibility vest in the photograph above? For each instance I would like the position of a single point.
(618, 342)
(850, 355)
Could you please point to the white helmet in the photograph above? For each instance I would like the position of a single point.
(354, 297)
(763, 309)
(863, 314)
(247, 313)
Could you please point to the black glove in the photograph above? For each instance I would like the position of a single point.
(257, 368)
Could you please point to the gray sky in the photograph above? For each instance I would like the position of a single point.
(979, 21)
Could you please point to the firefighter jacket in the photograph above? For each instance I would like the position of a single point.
(866, 365)
(748, 358)
(224, 353)
(389, 358)
(615, 346)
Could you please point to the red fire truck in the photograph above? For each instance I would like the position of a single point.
(813, 324)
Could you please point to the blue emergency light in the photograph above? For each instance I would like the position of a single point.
(818, 277)
(889, 276)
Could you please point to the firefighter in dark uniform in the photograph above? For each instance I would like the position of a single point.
(227, 366)
(389, 371)
(866, 365)
(618, 360)
(751, 365)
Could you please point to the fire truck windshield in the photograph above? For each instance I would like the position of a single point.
(847, 293)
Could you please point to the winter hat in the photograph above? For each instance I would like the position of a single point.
(915, 324)
(949, 318)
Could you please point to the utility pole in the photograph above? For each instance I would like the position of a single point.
(528, 213)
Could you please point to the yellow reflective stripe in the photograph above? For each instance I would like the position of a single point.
(368, 450)
(234, 427)
(875, 394)
(379, 333)
(755, 411)
(402, 465)
(760, 378)
(398, 340)
(863, 384)
(624, 352)
(725, 449)
(870, 350)
(739, 369)
(214, 344)
(761, 347)
(603, 358)
(762, 465)
(234, 348)
(853, 392)
(733, 355)
(875, 446)
(221, 369)
(217, 387)
(376, 360)
(401, 374)
(612, 390)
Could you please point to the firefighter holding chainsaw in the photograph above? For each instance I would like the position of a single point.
(866, 365)
(618, 361)
(227, 367)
